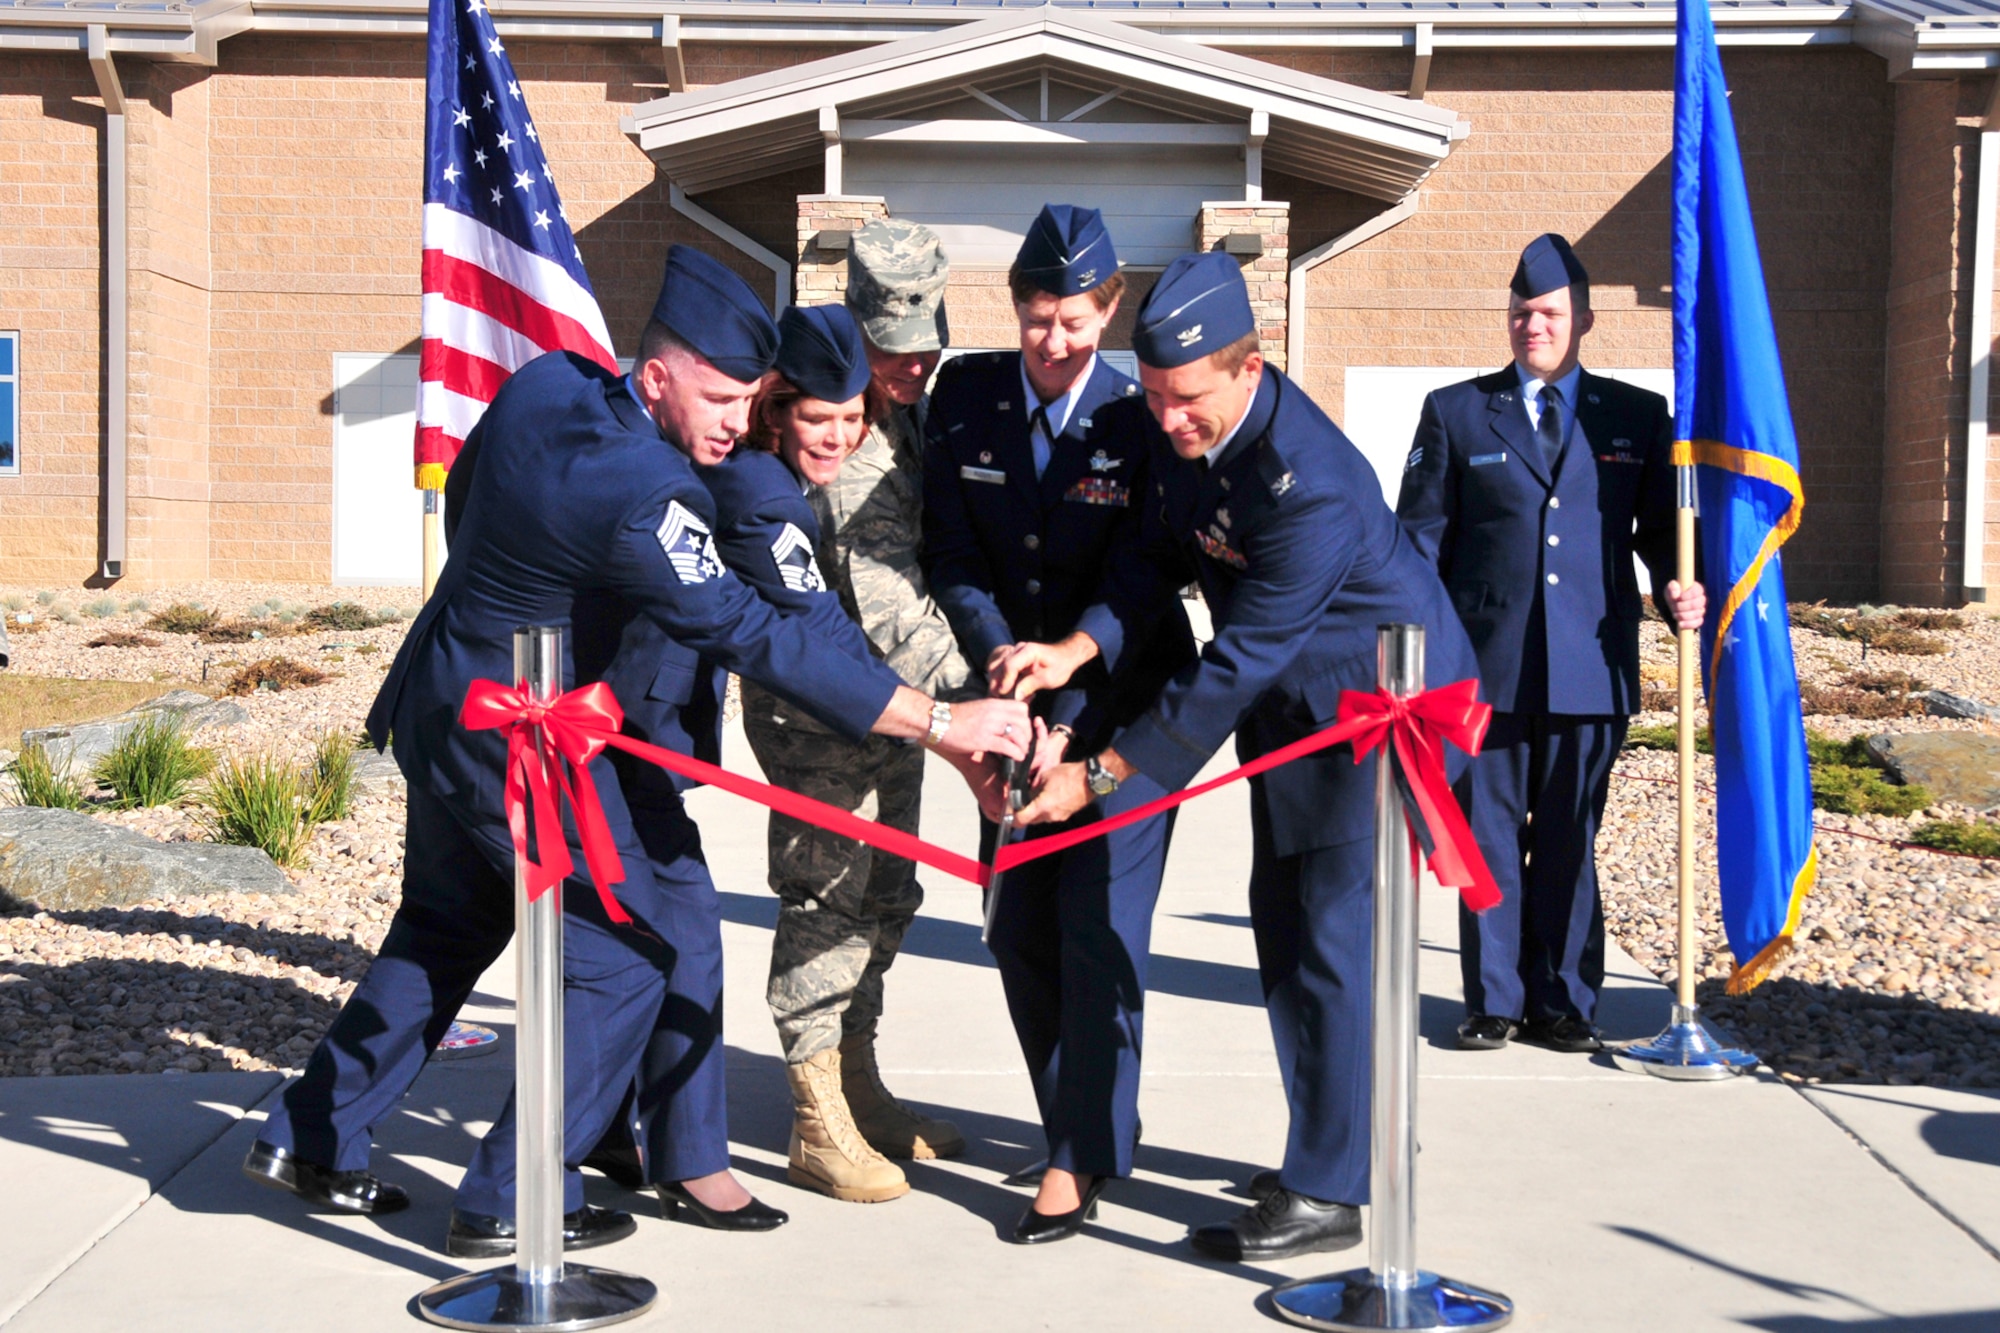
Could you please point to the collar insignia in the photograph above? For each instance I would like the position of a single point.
(1282, 484)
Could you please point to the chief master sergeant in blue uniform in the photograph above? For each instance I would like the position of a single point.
(1260, 497)
(583, 486)
(1036, 465)
(1531, 488)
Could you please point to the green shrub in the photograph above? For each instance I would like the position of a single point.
(137, 606)
(259, 802)
(1956, 835)
(183, 618)
(385, 614)
(1847, 780)
(45, 598)
(13, 601)
(153, 764)
(1668, 739)
(101, 607)
(39, 780)
(330, 779)
(346, 616)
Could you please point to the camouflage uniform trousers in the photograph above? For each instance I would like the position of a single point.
(843, 907)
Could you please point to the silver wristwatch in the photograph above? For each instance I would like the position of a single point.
(940, 722)
(1101, 780)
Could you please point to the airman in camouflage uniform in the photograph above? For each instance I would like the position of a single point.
(845, 907)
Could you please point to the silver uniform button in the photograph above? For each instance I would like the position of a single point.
(1555, 540)
(1555, 502)
(1032, 542)
(1554, 579)
(1035, 586)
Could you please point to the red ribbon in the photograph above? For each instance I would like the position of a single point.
(575, 728)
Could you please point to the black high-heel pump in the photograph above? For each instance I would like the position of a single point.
(1038, 1228)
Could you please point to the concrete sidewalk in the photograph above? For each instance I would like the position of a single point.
(1597, 1200)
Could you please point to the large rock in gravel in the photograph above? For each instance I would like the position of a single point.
(1943, 703)
(82, 744)
(1957, 766)
(62, 860)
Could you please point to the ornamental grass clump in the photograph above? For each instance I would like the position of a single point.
(329, 779)
(153, 764)
(350, 617)
(39, 780)
(274, 673)
(1957, 835)
(101, 607)
(183, 618)
(260, 801)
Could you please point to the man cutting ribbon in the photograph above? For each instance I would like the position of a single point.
(577, 502)
(1258, 496)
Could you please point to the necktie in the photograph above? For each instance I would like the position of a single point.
(1549, 428)
(1041, 440)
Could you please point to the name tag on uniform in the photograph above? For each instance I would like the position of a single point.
(1488, 460)
(1621, 452)
(1099, 491)
(991, 475)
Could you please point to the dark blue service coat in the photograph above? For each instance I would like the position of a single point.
(1013, 558)
(1538, 559)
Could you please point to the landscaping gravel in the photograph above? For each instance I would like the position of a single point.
(1893, 980)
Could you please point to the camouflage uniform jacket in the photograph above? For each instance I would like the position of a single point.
(870, 529)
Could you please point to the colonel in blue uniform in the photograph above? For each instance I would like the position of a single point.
(1531, 489)
(1260, 498)
(1036, 468)
(582, 490)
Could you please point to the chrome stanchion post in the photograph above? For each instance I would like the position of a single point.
(1392, 1292)
(540, 1291)
(1685, 1051)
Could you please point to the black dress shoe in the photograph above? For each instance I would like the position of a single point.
(1485, 1032)
(621, 1166)
(1569, 1034)
(483, 1236)
(752, 1216)
(1278, 1228)
(1263, 1185)
(1037, 1228)
(347, 1191)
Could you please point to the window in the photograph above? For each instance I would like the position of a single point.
(10, 404)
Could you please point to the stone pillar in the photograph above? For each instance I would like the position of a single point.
(822, 271)
(1267, 274)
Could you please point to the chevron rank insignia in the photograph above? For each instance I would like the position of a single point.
(1215, 545)
(689, 547)
(796, 564)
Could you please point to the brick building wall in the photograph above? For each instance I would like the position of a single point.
(51, 285)
(1579, 143)
(276, 222)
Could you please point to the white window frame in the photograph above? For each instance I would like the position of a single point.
(12, 377)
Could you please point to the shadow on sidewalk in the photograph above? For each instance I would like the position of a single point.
(1965, 1321)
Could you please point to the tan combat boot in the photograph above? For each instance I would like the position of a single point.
(828, 1153)
(890, 1127)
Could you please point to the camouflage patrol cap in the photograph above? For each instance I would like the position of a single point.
(896, 271)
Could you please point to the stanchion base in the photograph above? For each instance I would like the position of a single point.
(498, 1299)
(1358, 1300)
(1686, 1051)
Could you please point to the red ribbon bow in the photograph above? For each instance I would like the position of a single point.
(559, 737)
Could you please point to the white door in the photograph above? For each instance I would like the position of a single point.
(377, 511)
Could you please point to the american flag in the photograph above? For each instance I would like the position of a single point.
(503, 279)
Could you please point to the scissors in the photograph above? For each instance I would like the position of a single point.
(1014, 773)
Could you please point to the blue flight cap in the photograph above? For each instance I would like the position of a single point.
(715, 312)
(1068, 251)
(1547, 264)
(1199, 305)
(820, 351)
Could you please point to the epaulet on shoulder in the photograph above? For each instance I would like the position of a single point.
(1273, 470)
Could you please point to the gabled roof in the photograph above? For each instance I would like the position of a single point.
(1369, 142)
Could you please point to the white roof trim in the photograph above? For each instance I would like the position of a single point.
(1370, 142)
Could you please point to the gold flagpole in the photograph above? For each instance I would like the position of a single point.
(1685, 1050)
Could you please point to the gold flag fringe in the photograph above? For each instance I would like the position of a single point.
(430, 476)
(1754, 973)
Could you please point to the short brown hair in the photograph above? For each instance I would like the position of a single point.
(777, 394)
(1024, 289)
(1230, 359)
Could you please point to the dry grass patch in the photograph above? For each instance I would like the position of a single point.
(27, 702)
(274, 673)
(120, 638)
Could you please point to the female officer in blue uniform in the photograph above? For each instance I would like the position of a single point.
(1034, 465)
